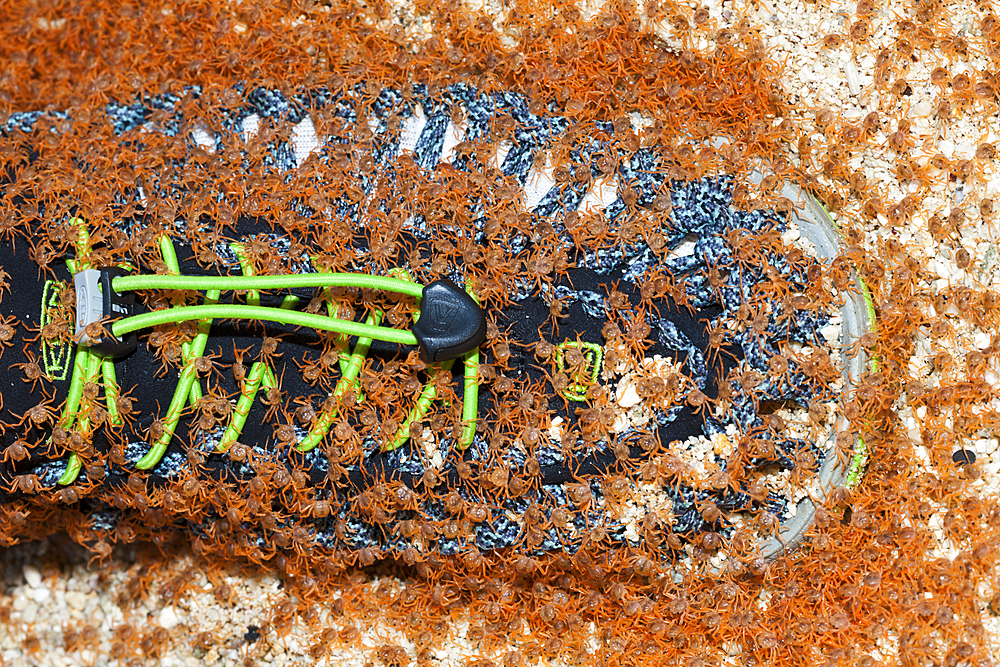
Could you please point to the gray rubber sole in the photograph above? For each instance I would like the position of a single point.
(816, 226)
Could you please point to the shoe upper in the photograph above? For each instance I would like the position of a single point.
(627, 371)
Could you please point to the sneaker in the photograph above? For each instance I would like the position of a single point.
(603, 364)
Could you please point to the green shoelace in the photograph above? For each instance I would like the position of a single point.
(90, 366)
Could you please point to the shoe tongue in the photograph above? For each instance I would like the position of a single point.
(30, 300)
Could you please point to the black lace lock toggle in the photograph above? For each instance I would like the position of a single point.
(451, 322)
(97, 301)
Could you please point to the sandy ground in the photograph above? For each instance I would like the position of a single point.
(55, 603)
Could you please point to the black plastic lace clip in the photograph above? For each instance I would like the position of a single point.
(97, 301)
(451, 322)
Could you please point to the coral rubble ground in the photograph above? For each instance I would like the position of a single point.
(885, 113)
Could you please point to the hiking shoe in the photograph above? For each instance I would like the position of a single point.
(591, 355)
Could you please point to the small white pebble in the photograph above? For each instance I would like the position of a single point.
(30, 613)
(32, 576)
(940, 266)
(19, 603)
(555, 430)
(41, 595)
(790, 235)
(76, 600)
(621, 422)
(851, 74)
(168, 618)
(630, 397)
(966, 151)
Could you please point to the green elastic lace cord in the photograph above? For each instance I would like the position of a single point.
(87, 368)
(253, 298)
(111, 390)
(348, 377)
(424, 401)
(470, 399)
(81, 361)
(252, 312)
(92, 375)
(72, 405)
(419, 411)
(280, 315)
(278, 282)
(75, 394)
(189, 375)
(260, 376)
(343, 345)
(343, 342)
(169, 256)
(365, 332)
(73, 464)
(243, 405)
